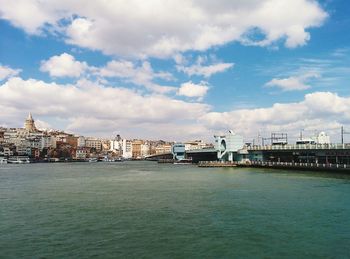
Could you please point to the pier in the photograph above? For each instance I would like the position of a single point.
(216, 164)
(279, 165)
(299, 166)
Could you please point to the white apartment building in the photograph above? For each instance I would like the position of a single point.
(93, 143)
(116, 145)
(6, 152)
(48, 142)
(145, 149)
(196, 144)
(127, 149)
(81, 141)
(80, 154)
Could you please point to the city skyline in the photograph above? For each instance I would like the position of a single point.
(176, 70)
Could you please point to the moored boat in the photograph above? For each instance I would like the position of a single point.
(18, 160)
(183, 162)
(93, 160)
(3, 160)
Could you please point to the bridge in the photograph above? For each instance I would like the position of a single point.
(157, 157)
(300, 147)
(207, 154)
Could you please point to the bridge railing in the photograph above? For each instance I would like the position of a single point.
(300, 165)
(300, 147)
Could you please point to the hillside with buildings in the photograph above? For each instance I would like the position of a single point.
(55, 145)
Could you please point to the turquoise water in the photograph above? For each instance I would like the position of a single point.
(147, 210)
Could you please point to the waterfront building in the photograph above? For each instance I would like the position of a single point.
(145, 149)
(22, 150)
(136, 149)
(81, 142)
(163, 149)
(116, 144)
(33, 152)
(322, 138)
(196, 144)
(227, 145)
(93, 143)
(11, 135)
(6, 151)
(178, 151)
(81, 153)
(127, 149)
(106, 145)
(48, 142)
(62, 137)
(72, 141)
(2, 132)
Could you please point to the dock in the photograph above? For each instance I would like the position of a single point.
(299, 166)
(216, 164)
(165, 161)
(279, 165)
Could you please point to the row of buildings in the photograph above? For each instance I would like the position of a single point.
(41, 145)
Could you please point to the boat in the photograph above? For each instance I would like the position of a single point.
(19, 160)
(3, 160)
(183, 162)
(119, 159)
(93, 160)
(111, 160)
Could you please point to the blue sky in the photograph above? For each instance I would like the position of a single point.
(177, 70)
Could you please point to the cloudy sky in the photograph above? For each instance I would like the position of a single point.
(176, 70)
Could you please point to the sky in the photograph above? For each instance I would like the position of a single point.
(178, 69)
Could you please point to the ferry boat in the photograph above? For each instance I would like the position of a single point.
(183, 162)
(93, 160)
(18, 160)
(111, 160)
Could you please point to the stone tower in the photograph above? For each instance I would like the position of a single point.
(29, 124)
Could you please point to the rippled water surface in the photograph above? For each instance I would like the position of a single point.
(147, 210)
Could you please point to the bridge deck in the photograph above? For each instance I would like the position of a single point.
(300, 147)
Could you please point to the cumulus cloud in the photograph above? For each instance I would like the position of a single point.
(95, 108)
(142, 74)
(131, 28)
(190, 89)
(318, 111)
(6, 72)
(63, 65)
(200, 68)
(99, 110)
(293, 83)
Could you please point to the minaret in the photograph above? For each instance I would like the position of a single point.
(29, 124)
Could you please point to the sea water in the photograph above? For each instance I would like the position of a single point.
(150, 210)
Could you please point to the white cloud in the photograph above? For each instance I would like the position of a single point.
(200, 68)
(190, 89)
(293, 83)
(318, 111)
(340, 52)
(98, 110)
(94, 109)
(6, 72)
(63, 65)
(163, 28)
(142, 74)
(28, 15)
